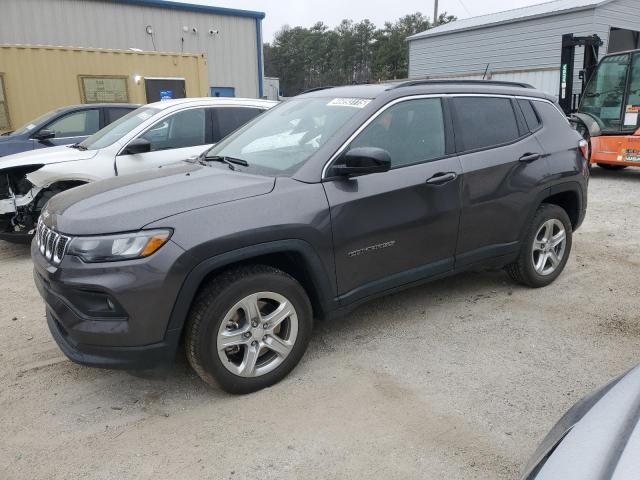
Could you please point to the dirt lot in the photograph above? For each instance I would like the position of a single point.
(458, 379)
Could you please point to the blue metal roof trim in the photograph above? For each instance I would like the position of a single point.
(193, 7)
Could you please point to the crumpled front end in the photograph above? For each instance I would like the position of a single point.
(19, 204)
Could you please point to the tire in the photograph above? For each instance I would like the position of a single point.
(611, 167)
(227, 298)
(531, 268)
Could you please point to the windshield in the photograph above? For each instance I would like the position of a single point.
(279, 141)
(35, 123)
(118, 129)
(604, 96)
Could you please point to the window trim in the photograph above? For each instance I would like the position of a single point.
(83, 94)
(445, 98)
(3, 86)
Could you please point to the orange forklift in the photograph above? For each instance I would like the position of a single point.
(608, 114)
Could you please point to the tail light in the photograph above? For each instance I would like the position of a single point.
(584, 148)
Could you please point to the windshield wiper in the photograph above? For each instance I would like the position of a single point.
(230, 161)
(78, 146)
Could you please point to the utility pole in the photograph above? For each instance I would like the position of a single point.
(435, 13)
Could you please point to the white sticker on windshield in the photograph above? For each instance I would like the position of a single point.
(31, 126)
(349, 102)
(143, 115)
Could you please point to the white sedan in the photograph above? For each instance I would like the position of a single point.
(151, 136)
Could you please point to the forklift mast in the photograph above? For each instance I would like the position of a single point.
(591, 44)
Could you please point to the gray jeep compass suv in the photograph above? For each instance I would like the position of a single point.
(326, 201)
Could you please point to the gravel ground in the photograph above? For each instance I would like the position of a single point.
(457, 379)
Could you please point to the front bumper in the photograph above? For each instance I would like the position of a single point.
(113, 315)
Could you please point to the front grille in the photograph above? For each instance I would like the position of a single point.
(51, 244)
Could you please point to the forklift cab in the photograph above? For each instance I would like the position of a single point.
(609, 111)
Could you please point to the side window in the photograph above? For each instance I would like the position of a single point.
(114, 114)
(483, 122)
(530, 115)
(180, 130)
(78, 124)
(228, 119)
(411, 131)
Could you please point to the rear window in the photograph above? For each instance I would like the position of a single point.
(530, 115)
(229, 119)
(114, 114)
(484, 122)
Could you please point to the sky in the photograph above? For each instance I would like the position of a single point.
(307, 12)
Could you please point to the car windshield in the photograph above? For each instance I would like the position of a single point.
(282, 139)
(28, 127)
(118, 129)
(604, 96)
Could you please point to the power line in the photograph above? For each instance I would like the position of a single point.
(465, 7)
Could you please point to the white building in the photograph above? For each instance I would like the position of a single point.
(523, 44)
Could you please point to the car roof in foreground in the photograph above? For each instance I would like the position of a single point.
(428, 87)
(164, 104)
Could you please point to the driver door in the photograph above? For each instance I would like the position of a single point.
(399, 226)
(71, 128)
(174, 138)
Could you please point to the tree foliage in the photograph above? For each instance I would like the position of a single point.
(305, 58)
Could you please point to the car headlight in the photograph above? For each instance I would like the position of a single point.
(123, 246)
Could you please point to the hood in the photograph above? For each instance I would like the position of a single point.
(605, 443)
(130, 202)
(46, 156)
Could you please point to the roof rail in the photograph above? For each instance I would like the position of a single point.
(412, 83)
(316, 89)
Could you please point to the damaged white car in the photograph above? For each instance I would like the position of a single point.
(151, 136)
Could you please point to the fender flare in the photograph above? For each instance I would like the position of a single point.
(571, 186)
(318, 275)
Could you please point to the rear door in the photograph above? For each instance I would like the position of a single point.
(399, 226)
(504, 169)
(176, 137)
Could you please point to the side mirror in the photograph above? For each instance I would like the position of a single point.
(139, 145)
(363, 161)
(44, 135)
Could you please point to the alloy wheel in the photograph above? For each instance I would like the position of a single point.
(257, 334)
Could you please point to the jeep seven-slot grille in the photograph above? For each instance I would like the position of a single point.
(51, 244)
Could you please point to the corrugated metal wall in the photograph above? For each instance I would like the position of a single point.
(528, 50)
(40, 79)
(232, 54)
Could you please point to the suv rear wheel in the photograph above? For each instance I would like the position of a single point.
(545, 249)
(248, 328)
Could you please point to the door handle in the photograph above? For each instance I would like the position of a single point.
(442, 178)
(529, 157)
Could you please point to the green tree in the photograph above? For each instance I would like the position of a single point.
(305, 58)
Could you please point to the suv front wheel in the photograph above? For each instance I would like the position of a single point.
(248, 328)
(545, 248)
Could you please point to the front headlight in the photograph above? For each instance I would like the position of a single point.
(123, 246)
